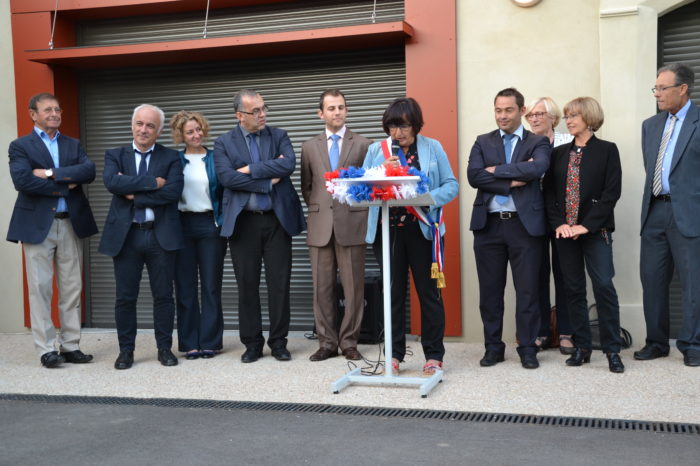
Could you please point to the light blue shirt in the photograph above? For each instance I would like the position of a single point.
(150, 216)
(253, 199)
(668, 155)
(509, 206)
(52, 146)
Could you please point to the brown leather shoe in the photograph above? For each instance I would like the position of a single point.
(322, 354)
(352, 354)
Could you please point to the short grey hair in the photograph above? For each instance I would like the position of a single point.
(238, 98)
(684, 74)
(152, 107)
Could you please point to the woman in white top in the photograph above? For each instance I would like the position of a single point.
(543, 116)
(200, 327)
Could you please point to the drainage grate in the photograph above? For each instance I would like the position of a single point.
(498, 418)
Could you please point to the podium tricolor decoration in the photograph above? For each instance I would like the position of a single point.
(385, 183)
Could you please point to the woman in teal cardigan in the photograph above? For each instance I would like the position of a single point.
(410, 239)
(200, 326)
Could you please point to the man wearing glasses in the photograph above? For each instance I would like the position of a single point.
(50, 218)
(670, 224)
(261, 213)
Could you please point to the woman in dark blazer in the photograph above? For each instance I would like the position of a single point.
(581, 188)
(200, 327)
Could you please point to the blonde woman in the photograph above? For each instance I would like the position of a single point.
(543, 116)
(200, 324)
(581, 188)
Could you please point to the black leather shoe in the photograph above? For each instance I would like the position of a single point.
(491, 358)
(52, 359)
(166, 357)
(650, 352)
(615, 363)
(251, 355)
(529, 361)
(579, 357)
(125, 360)
(281, 354)
(76, 357)
(691, 358)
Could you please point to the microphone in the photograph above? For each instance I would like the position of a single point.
(395, 147)
(396, 151)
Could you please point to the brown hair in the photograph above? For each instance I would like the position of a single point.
(178, 121)
(590, 110)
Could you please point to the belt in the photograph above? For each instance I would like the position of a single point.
(142, 226)
(504, 215)
(259, 212)
(204, 212)
(663, 197)
(61, 215)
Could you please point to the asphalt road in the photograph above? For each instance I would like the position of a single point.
(35, 433)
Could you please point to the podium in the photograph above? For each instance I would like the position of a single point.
(424, 384)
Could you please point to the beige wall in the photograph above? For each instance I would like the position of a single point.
(11, 311)
(605, 49)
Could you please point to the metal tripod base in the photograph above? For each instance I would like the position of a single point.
(425, 384)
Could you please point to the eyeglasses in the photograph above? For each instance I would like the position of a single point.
(403, 127)
(570, 115)
(655, 89)
(49, 110)
(257, 111)
(532, 116)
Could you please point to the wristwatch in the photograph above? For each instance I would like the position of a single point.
(48, 173)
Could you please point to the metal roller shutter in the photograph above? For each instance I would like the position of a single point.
(679, 41)
(291, 87)
(224, 22)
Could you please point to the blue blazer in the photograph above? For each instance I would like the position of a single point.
(37, 198)
(488, 151)
(216, 191)
(434, 163)
(231, 152)
(164, 163)
(685, 168)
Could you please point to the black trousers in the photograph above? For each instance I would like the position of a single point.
(409, 248)
(497, 244)
(141, 247)
(257, 238)
(199, 266)
(563, 324)
(592, 253)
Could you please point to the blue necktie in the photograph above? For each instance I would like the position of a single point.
(508, 146)
(262, 201)
(334, 153)
(140, 213)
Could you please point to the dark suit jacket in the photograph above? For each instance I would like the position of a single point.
(600, 185)
(231, 152)
(685, 169)
(488, 151)
(37, 198)
(164, 163)
(326, 216)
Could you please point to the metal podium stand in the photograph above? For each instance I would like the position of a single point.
(425, 384)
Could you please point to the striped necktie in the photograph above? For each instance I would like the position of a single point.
(656, 186)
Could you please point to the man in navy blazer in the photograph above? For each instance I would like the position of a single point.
(143, 227)
(51, 217)
(670, 221)
(508, 220)
(262, 212)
